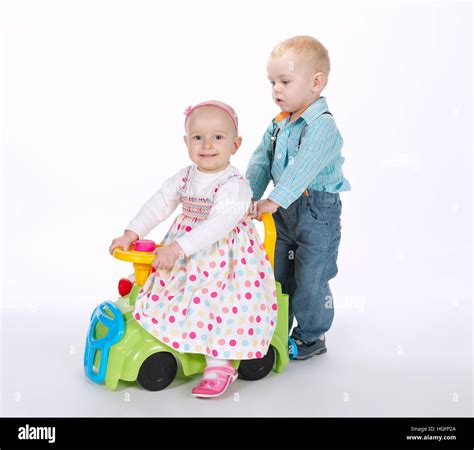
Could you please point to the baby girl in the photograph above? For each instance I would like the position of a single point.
(213, 291)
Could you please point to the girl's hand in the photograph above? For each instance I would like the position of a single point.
(265, 205)
(252, 212)
(124, 241)
(166, 256)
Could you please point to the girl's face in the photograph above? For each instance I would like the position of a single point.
(211, 138)
(292, 81)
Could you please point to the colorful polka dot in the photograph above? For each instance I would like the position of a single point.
(235, 270)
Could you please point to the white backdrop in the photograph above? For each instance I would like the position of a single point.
(92, 103)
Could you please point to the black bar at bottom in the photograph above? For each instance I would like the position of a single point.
(289, 433)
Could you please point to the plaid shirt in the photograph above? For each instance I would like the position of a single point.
(317, 164)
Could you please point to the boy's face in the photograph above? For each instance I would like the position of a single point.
(211, 138)
(294, 86)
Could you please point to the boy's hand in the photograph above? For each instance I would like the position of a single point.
(166, 256)
(265, 205)
(124, 241)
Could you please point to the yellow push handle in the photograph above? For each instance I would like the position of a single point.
(270, 237)
(142, 260)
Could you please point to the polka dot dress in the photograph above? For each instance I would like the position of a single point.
(220, 301)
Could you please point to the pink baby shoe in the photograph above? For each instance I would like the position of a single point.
(213, 387)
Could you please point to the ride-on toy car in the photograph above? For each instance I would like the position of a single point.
(119, 348)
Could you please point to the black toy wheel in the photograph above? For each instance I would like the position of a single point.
(157, 371)
(256, 369)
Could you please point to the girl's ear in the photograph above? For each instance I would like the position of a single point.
(185, 138)
(237, 144)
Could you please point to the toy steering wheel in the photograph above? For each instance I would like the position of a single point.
(141, 253)
(141, 256)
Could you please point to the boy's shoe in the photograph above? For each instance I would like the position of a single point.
(301, 350)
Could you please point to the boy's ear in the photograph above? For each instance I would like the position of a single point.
(237, 144)
(319, 81)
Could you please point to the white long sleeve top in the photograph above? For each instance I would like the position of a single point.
(231, 203)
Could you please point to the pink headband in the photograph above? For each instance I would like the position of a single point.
(219, 104)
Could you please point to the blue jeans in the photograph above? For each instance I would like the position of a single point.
(308, 236)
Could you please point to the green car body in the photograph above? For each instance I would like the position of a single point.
(136, 345)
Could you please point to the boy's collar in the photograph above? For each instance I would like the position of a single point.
(314, 110)
(311, 113)
(282, 116)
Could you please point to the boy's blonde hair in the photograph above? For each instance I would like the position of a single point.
(307, 47)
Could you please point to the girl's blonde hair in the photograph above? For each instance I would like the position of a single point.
(308, 48)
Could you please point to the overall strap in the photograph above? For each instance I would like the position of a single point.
(185, 180)
(276, 130)
(303, 131)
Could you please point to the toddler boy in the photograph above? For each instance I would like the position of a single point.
(301, 152)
